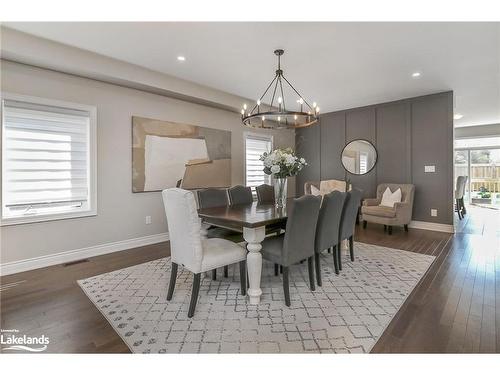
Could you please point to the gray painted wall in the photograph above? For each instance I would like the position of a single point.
(408, 134)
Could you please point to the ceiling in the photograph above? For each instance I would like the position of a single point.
(338, 65)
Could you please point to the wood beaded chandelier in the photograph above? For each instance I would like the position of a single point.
(275, 115)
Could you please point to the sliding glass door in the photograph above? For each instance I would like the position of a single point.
(482, 166)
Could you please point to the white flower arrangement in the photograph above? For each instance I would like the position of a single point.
(282, 163)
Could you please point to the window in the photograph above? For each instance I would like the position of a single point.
(256, 145)
(48, 160)
(363, 162)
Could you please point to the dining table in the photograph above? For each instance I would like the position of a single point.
(251, 219)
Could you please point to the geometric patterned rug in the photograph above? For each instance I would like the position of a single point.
(346, 315)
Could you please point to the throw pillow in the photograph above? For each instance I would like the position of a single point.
(389, 198)
(315, 190)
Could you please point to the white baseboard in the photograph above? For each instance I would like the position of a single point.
(448, 228)
(74, 255)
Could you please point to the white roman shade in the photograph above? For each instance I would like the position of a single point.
(46, 159)
(255, 146)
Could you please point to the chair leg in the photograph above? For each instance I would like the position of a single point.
(226, 271)
(310, 269)
(339, 255)
(406, 227)
(243, 277)
(335, 260)
(462, 204)
(351, 248)
(171, 284)
(317, 263)
(276, 269)
(457, 202)
(364, 224)
(389, 229)
(286, 286)
(194, 294)
(281, 269)
(214, 274)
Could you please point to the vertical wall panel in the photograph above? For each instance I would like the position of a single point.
(432, 144)
(307, 145)
(408, 135)
(360, 124)
(332, 141)
(393, 153)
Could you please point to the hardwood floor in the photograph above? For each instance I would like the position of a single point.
(455, 308)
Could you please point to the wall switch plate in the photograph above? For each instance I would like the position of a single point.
(430, 168)
(434, 212)
(148, 220)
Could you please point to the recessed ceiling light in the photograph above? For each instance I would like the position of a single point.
(416, 74)
(458, 116)
(181, 58)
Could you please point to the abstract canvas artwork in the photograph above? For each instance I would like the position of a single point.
(167, 154)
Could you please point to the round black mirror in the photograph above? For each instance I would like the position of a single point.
(359, 157)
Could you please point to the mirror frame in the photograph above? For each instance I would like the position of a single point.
(374, 162)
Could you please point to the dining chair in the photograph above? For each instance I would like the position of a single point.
(297, 243)
(240, 195)
(328, 229)
(190, 250)
(459, 196)
(265, 194)
(348, 222)
(212, 197)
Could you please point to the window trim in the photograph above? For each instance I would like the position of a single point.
(92, 162)
(246, 134)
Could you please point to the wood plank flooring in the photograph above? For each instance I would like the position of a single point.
(454, 309)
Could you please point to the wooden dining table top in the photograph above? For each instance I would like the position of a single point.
(251, 215)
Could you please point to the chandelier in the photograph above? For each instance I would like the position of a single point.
(276, 114)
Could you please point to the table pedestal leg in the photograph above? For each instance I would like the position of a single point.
(254, 237)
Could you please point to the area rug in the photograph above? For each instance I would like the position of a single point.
(347, 314)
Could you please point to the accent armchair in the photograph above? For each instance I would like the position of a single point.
(326, 186)
(400, 214)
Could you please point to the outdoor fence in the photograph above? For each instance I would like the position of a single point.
(482, 175)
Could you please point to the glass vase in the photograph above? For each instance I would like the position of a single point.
(280, 191)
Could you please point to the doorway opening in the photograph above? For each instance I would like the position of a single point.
(478, 159)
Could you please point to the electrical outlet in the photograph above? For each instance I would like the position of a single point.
(430, 169)
(148, 220)
(434, 212)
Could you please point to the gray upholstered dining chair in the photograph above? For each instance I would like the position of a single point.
(240, 194)
(328, 229)
(265, 194)
(348, 222)
(212, 197)
(459, 196)
(297, 243)
(190, 249)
